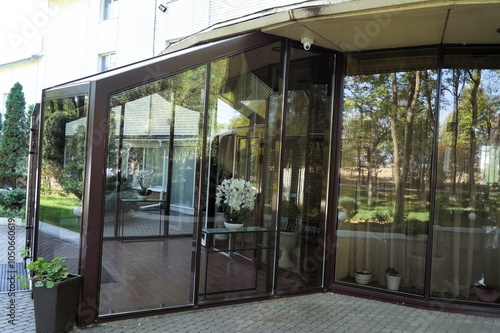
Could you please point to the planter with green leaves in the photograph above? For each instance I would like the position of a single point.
(55, 294)
(393, 278)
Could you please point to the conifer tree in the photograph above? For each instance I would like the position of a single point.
(14, 140)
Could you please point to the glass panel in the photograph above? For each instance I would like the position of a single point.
(243, 126)
(150, 208)
(304, 169)
(388, 124)
(61, 184)
(466, 235)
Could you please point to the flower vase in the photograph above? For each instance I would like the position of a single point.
(142, 197)
(233, 225)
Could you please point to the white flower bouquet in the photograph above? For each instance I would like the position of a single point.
(239, 197)
(143, 179)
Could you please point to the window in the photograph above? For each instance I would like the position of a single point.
(466, 233)
(106, 61)
(388, 118)
(110, 9)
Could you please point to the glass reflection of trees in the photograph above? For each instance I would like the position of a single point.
(467, 194)
(469, 137)
(386, 150)
(64, 149)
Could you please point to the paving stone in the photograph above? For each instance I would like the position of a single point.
(327, 312)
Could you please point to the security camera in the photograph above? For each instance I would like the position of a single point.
(307, 42)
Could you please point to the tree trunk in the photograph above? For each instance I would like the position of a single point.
(396, 167)
(402, 164)
(456, 95)
(475, 82)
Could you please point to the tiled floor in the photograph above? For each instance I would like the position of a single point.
(146, 274)
(156, 274)
(141, 273)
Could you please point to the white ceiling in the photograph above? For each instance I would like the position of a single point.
(425, 23)
(352, 25)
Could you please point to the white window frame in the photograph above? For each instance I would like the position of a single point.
(106, 61)
(109, 9)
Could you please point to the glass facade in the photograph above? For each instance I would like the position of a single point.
(61, 179)
(304, 172)
(466, 238)
(385, 174)
(418, 163)
(412, 217)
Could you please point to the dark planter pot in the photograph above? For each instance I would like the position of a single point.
(485, 295)
(55, 308)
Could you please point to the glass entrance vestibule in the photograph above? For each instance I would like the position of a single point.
(357, 162)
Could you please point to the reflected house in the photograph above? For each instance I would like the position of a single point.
(397, 134)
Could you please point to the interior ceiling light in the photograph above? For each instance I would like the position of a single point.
(163, 8)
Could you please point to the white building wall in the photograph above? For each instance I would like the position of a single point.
(67, 41)
(135, 30)
(225, 10)
(76, 34)
(184, 18)
(187, 17)
(29, 74)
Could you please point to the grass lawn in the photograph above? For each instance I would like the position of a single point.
(58, 211)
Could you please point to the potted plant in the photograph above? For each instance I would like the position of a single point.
(143, 179)
(363, 277)
(55, 293)
(393, 278)
(486, 293)
(238, 196)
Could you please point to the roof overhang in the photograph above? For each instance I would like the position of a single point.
(23, 60)
(368, 24)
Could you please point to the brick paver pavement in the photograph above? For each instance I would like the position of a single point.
(325, 312)
(321, 312)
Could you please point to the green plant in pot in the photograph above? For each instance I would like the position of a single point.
(55, 293)
(393, 278)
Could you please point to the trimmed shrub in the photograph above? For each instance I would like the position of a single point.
(349, 205)
(14, 200)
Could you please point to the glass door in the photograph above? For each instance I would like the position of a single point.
(150, 207)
